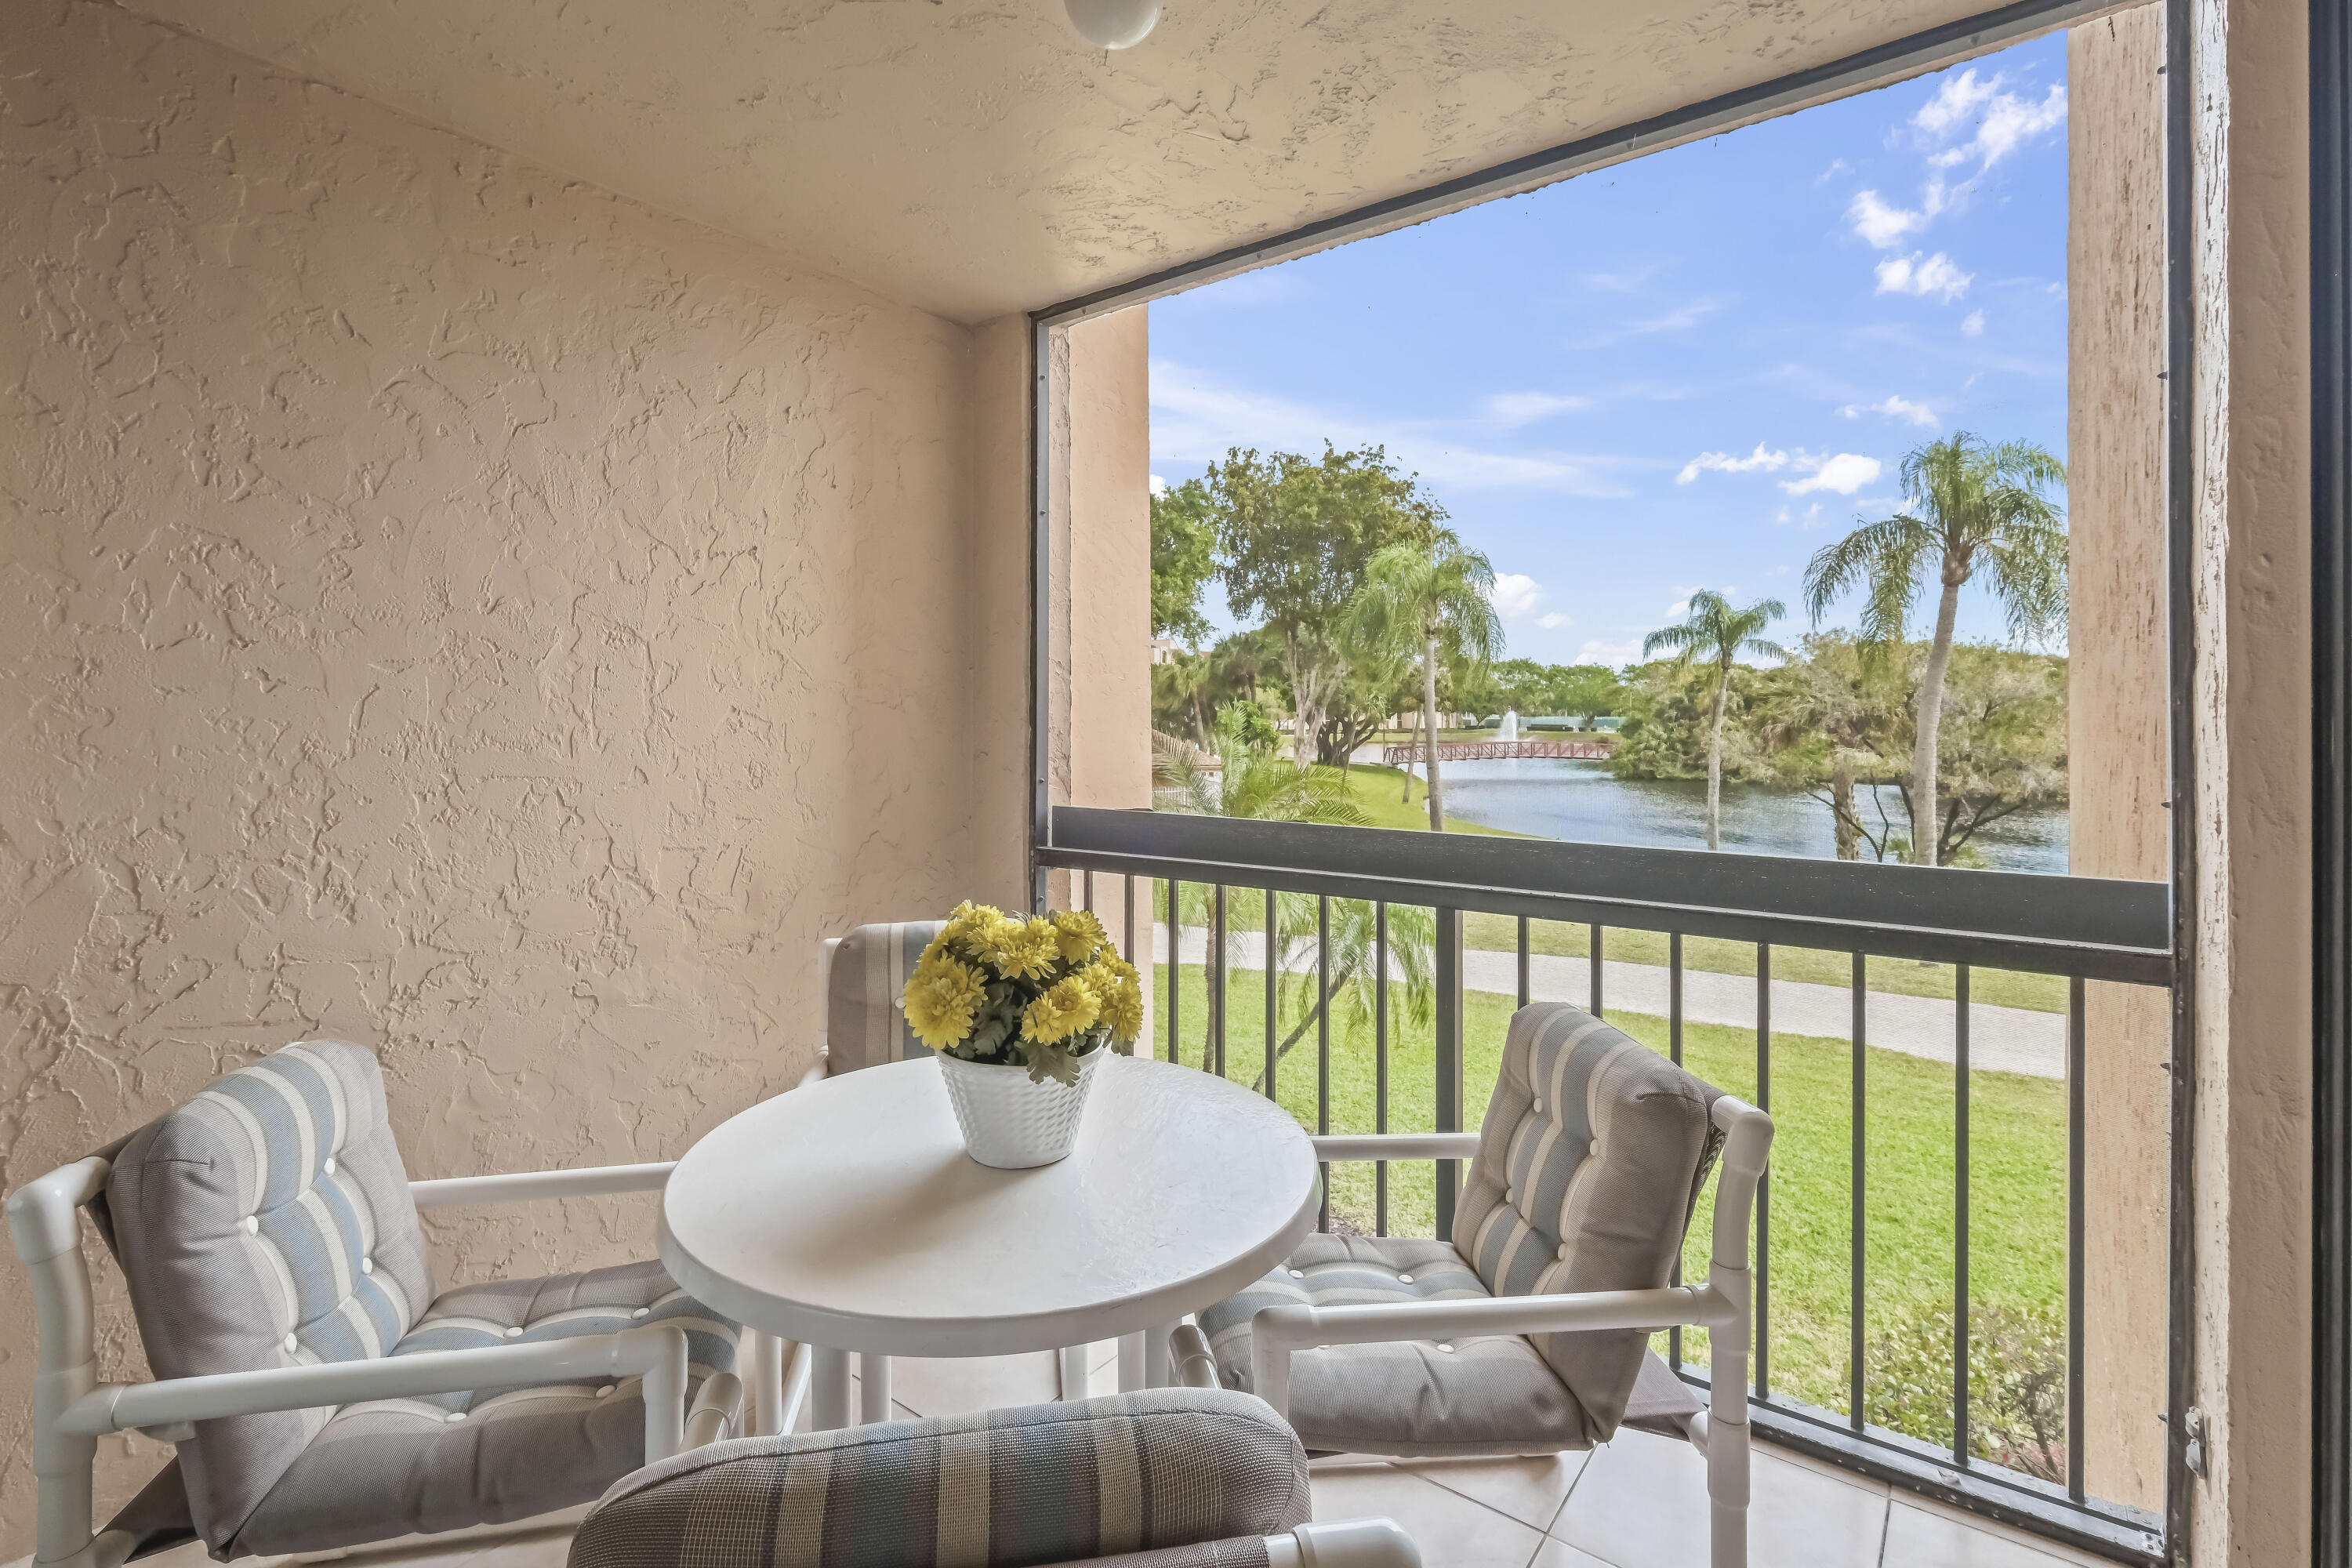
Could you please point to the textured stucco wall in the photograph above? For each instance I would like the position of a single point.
(2250, 704)
(452, 608)
(1107, 754)
(2115, 438)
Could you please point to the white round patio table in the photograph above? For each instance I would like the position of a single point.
(845, 1214)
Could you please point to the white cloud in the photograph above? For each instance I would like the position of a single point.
(1196, 418)
(1844, 473)
(1974, 326)
(1725, 463)
(2004, 121)
(1515, 595)
(1680, 318)
(1598, 651)
(1553, 621)
(1881, 225)
(1512, 409)
(1956, 98)
(1628, 281)
(1933, 275)
(1158, 485)
(1894, 405)
(1810, 518)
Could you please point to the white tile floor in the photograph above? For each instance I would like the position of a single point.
(1640, 1502)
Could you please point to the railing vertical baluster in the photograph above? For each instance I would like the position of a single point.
(1215, 968)
(1087, 897)
(1594, 995)
(1764, 1184)
(1381, 1062)
(1449, 1059)
(2074, 1204)
(1963, 1330)
(1127, 924)
(1522, 960)
(1175, 960)
(1674, 1049)
(1273, 994)
(1856, 1390)
(1323, 1041)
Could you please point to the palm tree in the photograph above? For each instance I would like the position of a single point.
(1258, 782)
(1432, 597)
(1972, 505)
(1711, 630)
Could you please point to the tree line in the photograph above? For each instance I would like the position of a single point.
(1370, 606)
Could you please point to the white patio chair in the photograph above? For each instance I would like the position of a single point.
(860, 976)
(1168, 1479)
(321, 1392)
(1527, 1332)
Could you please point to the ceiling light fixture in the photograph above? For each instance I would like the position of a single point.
(1113, 23)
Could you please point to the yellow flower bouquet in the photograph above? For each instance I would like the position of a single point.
(1040, 993)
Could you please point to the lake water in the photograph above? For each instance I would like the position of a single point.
(1558, 798)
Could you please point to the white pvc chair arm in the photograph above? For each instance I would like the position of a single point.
(656, 1353)
(1721, 1304)
(1344, 1147)
(1344, 1544)
(529, 1186)
(1277, 1331)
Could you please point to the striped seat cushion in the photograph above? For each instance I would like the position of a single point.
(390, 1468)
(266, 1222)
(1472, 1394)
(1591, 1159)
(864, 1026)
(1004, 1489)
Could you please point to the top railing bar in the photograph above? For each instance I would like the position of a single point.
(1879, 66)
(2098, 928)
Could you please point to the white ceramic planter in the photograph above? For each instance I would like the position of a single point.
(1009, 1123)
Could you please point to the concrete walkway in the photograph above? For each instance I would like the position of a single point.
(2000, 1039)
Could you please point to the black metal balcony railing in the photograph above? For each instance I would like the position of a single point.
(2082, 929)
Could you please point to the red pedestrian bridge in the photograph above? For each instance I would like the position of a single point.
(1496, 751)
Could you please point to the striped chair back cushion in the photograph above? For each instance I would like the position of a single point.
(1589, 1164)
(266, 1222)
(863, 1026)
(1001, 1489)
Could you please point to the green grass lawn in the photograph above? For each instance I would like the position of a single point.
(1902, 976)
(2017, 1194)
(1712, 955)
(1380, 791)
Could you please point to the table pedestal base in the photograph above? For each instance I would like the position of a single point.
(829, 1390)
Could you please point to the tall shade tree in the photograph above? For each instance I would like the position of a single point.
(1183, 559)
(1971, 507)
(1713, 633)
(1294, 536)
(1434, 598)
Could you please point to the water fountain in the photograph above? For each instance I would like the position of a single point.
(1510, 730)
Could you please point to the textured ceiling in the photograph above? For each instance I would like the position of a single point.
(973, 157)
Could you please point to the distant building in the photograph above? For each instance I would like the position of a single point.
(1165, 650)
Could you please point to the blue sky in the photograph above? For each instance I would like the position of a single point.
(1690, 370)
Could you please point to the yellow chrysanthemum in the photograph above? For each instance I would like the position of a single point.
(1022, 951)
(942, 997)
(1119, 991)
(967, 928)
(1065, 1008)
(1078, 934)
